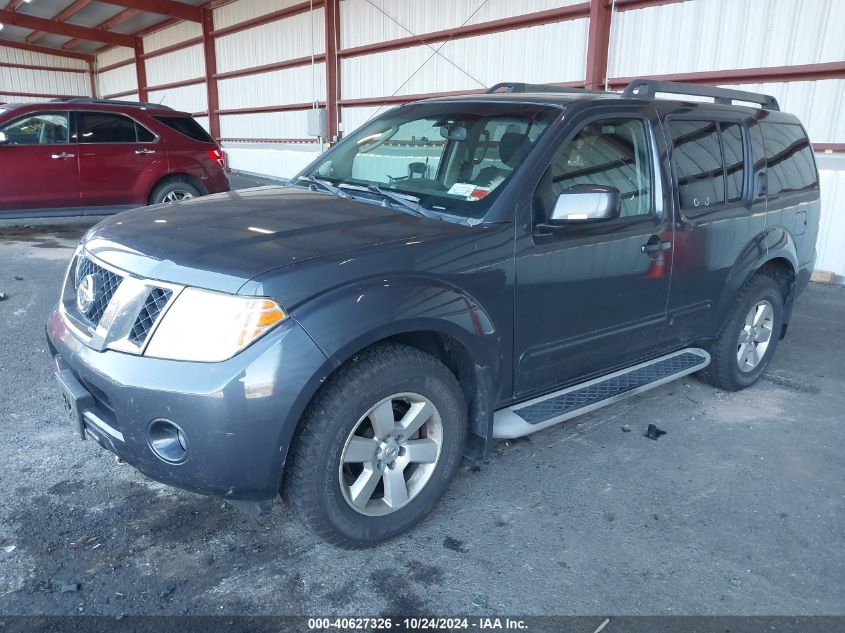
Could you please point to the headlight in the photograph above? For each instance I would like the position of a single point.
(210, 326)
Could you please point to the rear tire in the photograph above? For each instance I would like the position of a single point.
(377, 447)
(748, 340)
(174, 191)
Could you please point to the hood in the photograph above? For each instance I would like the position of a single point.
(222, 241)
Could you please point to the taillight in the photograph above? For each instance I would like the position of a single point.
(218, 156)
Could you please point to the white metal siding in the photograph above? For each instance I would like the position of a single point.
(172, 35)
(701, 35)
(265, 125)
(293, 85)
(11, 55)
(114, 56)
(185, 99)
(42, 81)
(16, 99)
(243, 10)
(368, 21)
(187, 63)
(279, 161)
(831, 255)
(291, 38)
(556, 53)
(353, 118)
(117, 80)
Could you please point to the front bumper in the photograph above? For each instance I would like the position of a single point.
(238, 416)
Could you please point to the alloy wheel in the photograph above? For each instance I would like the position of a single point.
(178, 195)
(755, 335)
(391, 454)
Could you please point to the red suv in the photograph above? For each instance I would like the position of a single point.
(78, 156)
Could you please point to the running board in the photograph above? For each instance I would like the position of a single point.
(545, 411)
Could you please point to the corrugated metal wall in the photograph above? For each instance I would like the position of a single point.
(69, 78)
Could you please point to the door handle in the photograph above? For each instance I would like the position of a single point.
(655, 245)
(144, 152)
(62, 156)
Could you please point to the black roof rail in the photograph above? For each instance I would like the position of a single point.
(648, 88)
(512, 86)
(133, 104)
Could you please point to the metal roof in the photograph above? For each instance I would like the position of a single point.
(87, 26)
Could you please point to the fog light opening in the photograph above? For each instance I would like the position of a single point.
(168, 442)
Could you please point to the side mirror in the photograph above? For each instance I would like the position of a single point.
(581, 204)
(4, 140)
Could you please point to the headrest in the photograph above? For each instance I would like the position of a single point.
(512, 148)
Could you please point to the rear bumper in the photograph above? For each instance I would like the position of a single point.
(238, 416)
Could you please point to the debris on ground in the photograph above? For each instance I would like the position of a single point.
(2, 296)
(9, 548)
(18, 278)
(653, 432)
(626, 428)
(71, 588)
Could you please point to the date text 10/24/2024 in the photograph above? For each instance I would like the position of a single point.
(416, 624)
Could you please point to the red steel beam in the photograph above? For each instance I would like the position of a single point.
(46, 51)
(92, 80)
(288, 107)
(210, 53)
(14, 4)
(560, 14)
(39, 95)
(598, 43)
(116, 65)
(174, 47)
(118, 95)
(26, 21)
(627, 5)
(162, 7)
(69, 12)
(140, 69)
(770, 74)
(56, 69)
(829, 147)
(331, 30)
(255, 70)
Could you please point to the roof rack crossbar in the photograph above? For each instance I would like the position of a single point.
(511, 86)
(648, 89)
(134, 104)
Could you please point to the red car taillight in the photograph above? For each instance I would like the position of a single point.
(218, 156)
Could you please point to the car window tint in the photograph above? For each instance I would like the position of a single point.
(697, 157)
(105, 127)
(613, 153)
(144, 135)
(43, 128)
(734, 162)
(187, 126)
(789, 159)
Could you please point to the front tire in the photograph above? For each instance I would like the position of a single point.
(749, 338)
(377, 447)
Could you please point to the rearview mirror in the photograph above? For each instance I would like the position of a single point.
(584, 203)
(4, 140)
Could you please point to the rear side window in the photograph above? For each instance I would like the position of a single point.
(698, 164)
(789, 159)
(187, 126)
(105, 127)
(43, 128)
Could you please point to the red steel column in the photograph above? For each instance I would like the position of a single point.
(140, 69)
(92, 79)
(211, 70)
(598, 43)
(332, 32)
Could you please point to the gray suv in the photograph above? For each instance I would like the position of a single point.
(455, 271)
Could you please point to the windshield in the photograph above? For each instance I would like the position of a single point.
(448, 157)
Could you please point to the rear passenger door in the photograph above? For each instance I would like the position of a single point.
(719, 187)
(117, 158)
(589, 297)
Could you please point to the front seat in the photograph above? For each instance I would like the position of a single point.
(512, 149)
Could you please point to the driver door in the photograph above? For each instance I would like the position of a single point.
(38, 163)
(589, 298)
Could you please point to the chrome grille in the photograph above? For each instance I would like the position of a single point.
(148, 315)
(108, 281)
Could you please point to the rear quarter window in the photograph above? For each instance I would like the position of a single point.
(186, 126)
(790, 163)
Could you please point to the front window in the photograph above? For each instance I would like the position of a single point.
(44, 128)
(449, 158)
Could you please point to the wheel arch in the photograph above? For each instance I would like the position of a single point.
(176, 177)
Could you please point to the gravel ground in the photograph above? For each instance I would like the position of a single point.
(737, 510)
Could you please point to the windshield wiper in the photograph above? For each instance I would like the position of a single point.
(314, 183)
(414, 207)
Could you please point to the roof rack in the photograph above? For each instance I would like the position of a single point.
(134, 104)
(511, 86)
(648, 89)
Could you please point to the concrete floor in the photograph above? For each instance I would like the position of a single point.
(737, 510)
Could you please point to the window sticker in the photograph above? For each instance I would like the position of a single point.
(462, 189)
